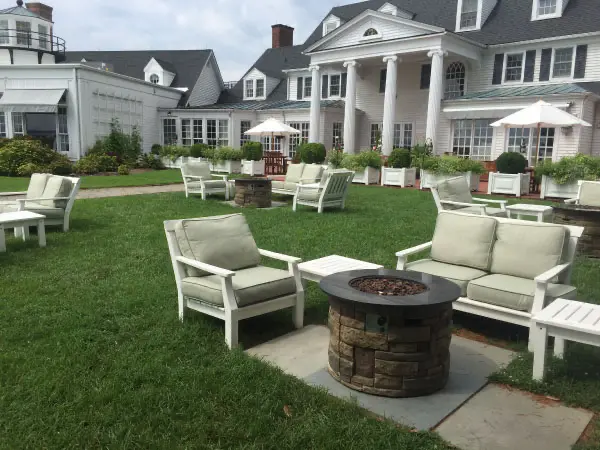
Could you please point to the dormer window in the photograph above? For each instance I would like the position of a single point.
(260, 88)
(249, 88)
(254, 89)
(331, 24)
(547, 9)
(154, 79)
(468, 14)
(371, 32)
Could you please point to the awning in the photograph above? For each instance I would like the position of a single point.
(31, 100)
(470, 111)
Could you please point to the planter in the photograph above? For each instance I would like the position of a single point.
(429, 179)
(398, 177)
(551, 189)
(253, 167)
(170, 164)
(509, 184)
(367, 176)
(197, 160)
(227, 166)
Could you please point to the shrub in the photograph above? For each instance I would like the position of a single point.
(335, 158)
(20, 152)
(511, 163)
(173, 152)
(198, 150)
(451, 165)
(311, 153)
(156, 149)
(92, 164)
(61, 166)
(228, 154)
(420, 153)
(359, 162)
(570, 169)
(123, 170)
(252, 151)
(127, 148)
(150, 161)
(399, 158)
(28, 169)
(97, 148)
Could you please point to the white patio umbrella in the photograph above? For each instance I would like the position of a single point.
(272, 127)
(540, 115)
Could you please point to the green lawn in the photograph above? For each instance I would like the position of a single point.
(170, 176)
(92, 353)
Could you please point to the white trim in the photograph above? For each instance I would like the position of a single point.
(254, 89)
(549, 39)
(459, 13)
(331, 20)
(504, 81)
(573, 60)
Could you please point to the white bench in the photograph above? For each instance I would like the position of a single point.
(565, 320)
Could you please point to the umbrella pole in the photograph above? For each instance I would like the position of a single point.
(537, 150)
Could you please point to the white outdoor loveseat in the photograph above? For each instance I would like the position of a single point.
(297, 174)
(218, 272)
(52, 196)
(454, 194)
(331, 192)
(508, 270)
(197, 179)
(588, 195)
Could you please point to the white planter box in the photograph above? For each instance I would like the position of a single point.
(398, 177)
(551, 189)
(429, 180)
(368, 176)
(509, 184)
(227, 167)
(197, 160)
(253, 167)
(170, 164)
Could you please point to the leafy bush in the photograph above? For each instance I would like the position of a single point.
(570, 169)
(228, 154)
(420, 153)
(28, 169)
(150, 161)
(335, 158)
(311, 153)
(97, 148)
(451, 165)
(198, 150)
(399, 158)
(155, 150)
(61, 166)
(173, 152)
(126, 148)
(511, 163)
(123, 170)
(359, 162)
(92, 164)
(252, 151)
(21, 156)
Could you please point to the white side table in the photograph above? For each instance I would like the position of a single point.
(320, 268)
(566, 320)
(21, 221)
(540, 212)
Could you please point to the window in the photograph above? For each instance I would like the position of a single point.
(546, 144)
(519, 140)
(223, 138)
(154, 79)
(24, 33)
(249, 88)
(43, 36)
(473, 139)
(260, 88)
(455, 80)
(382, 80)
(186, 132)
(338, 135)
(562, 67)
(335, 84)
(307, 87)
(2, 125)
(468, 15)
(546, 7)
(197, 130)
(245, 125)
(376, 135)
(514, 67)
(297, 139)
(62, 135)
(211, 133)
(169, 131)
(403, 135)
(4, 36)
(19, 125)
(371, 32)
(328, 27)
(524, 141)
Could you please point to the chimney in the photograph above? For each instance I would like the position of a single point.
(44, 11)
(283, 36)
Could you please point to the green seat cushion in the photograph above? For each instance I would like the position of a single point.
(288, 186)
(455, 190)
(37, 184)
(589, 194)
(277, 185)
(464, 240)
(459, 275)
(294, 173)
(528, 249)
(34, 207)
(56, 187)
(310, 195)
(512, 292)
(253, 285)
(215, 184)
(312, 173)
(494, 212)
(197, 170)
(222, 241)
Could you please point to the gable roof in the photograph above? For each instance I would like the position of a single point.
(187, 65)
(20, 11)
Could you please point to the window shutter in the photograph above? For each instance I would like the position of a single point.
(344, 84)
(382, 80)
(300, 89)
(325, 87)
(425, 76)
(529, 65)
(545, 65)
(580, 61)
(498, 66)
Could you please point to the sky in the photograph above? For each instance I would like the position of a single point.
(238, 31)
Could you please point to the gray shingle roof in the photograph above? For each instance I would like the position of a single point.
(186, 64)
(534, 91)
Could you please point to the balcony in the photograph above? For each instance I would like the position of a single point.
(25, 39)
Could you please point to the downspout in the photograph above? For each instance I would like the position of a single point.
(79, 106)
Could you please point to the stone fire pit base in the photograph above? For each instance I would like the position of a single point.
(407, 356)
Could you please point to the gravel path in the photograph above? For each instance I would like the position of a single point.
(125, 191)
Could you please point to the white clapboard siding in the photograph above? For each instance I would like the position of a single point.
(208, 87)
(586, 134)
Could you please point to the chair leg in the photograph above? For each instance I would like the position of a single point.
(298, 310)
(559, 348)
(203, 195)
(320, 209)
(181, 306)
(231, 331)
(533, 332)
(294, 207)
(539, 353)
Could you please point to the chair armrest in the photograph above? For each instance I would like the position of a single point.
(571, 201)
(502, 203)
(466, 205)
(25, 200)
(225, 177)
(11, 194)
(193, 177)
(205, 267)
(552, 273)
(414, 250)
(279, 256)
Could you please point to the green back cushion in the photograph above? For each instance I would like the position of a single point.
(312, 172)
(464, 240)
(223, 241)
(37, 185)
(294, 173)
(527, 250)
(455, 190)
(590, 194)
(56, 187)
(197, 170)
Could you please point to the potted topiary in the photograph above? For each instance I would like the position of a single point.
(227, 159)
(198, 152)
(561, 179)
(511, 178)
(435, 169)
(253, 163)
(366, 166)
(398, 171)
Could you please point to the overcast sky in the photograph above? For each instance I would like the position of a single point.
(237, 30)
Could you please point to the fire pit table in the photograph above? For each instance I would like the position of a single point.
(253, 192)
(390, 331)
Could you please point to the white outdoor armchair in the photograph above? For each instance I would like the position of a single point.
(455, 194)
(218, 272)
(198, 180)
(588, 195)
(330, 192)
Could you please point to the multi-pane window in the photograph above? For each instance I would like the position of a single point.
(272, 145)
(296, 139)
(514, 67)
(329, 27)
(376, 134)
(546, 147)
(211, 133)
(18, 124)
(403, 135)
(455, 80)
(563, 63)
(223, 133)
(370, 32)
(4, 36)
(24, 33)
(260, 88)
(473, 139)
(250, 88)
(2, 125)
(245, 125)
(62, 129)
(197, 130)
(468, 16)
(170, 131)
(186, 132)
(518, 140)
(43, 36)
(154, 79)
(335, 84)
(307, 87)
(338, 135)
(546, 7)
(524, 141)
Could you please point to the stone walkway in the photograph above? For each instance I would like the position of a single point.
(125, 191)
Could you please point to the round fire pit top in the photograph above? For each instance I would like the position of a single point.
(422, 289)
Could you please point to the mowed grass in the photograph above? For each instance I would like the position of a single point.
(92, 354)
(153, 178)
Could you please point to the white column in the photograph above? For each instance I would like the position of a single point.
(315, 106)
(436, 92)
(350, 113)
(389, 106)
